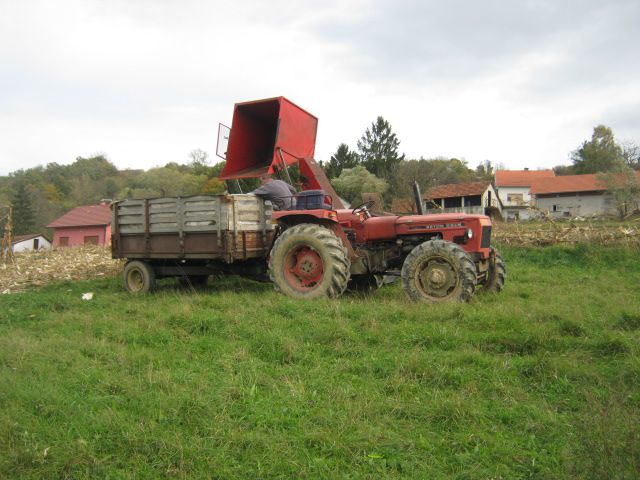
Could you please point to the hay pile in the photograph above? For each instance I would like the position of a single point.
(39, 268)
(543, 234)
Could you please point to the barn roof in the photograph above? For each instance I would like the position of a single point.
(588, 182)
(458, 190)
(86, 215)
(521, 178)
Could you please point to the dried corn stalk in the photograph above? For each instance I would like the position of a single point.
(540, 234)
(45, 266)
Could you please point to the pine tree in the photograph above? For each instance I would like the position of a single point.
(23, 219)
(378, 149)
(343, 158)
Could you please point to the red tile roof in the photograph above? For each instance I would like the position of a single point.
(84, 216)
(588, 182)
(457, 190)
(521, 178)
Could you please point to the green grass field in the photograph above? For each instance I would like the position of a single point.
(237, 381)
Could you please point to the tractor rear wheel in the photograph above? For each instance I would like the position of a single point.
(309, 261)
(439, 271)
(139, 277)
(496, 275)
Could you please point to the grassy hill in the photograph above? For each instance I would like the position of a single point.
(237, 381)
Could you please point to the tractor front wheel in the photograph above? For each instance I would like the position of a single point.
(496, 274)
(309, 261)
(139, 277)
(439, 271)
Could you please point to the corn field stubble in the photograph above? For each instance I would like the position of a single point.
(236, 381)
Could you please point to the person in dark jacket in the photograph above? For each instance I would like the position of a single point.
(278, 192)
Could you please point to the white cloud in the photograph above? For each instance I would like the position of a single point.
(146, 81)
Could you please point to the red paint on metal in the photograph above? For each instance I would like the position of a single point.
(304, 268)
(263, 129)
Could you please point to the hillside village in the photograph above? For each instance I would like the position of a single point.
(60, 205)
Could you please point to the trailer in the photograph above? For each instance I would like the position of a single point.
(190, 237)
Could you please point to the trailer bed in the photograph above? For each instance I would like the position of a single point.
(214, 227)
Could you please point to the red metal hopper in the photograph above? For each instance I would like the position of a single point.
(265, 134)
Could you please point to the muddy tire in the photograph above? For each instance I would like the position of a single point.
(365, 283)
(309, 261)
(439, 271)
(139, 277)
(495, 276)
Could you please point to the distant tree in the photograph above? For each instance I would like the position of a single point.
(343, 158)
(631, 154)
(96, 167)
(23, 218)
(214, 186)
(428, 173)
(353, 182)
(560, 170)
(485, 170)
(199, 162)
(378, 149)
(165, 182)
(600, 154)
(622, 184)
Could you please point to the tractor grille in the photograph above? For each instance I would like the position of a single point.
(485, 242)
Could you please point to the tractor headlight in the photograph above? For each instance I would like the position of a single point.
(468, 234)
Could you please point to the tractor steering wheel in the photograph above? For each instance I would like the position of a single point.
(363, 207)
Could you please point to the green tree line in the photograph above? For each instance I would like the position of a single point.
(41, 194)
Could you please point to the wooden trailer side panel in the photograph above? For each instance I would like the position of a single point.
(223, 227)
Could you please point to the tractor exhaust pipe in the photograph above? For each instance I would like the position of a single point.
(417, 196)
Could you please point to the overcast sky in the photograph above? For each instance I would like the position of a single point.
(146, 81)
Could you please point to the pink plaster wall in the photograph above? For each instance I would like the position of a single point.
(76, 235)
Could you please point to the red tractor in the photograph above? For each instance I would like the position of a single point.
(319, 248)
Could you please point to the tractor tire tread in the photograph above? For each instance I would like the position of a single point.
(333, 250)
(467, 269)
(495, 276)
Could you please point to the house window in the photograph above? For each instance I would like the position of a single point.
(36, 243)
(516, 198)
(555, 208)
(91, 240)
(64, 241)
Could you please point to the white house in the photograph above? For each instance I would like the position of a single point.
(514, 189)
(29, 243)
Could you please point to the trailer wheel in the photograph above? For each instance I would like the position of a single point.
(496, 275)
(309, 261)
(439, 271)
(139, 277)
